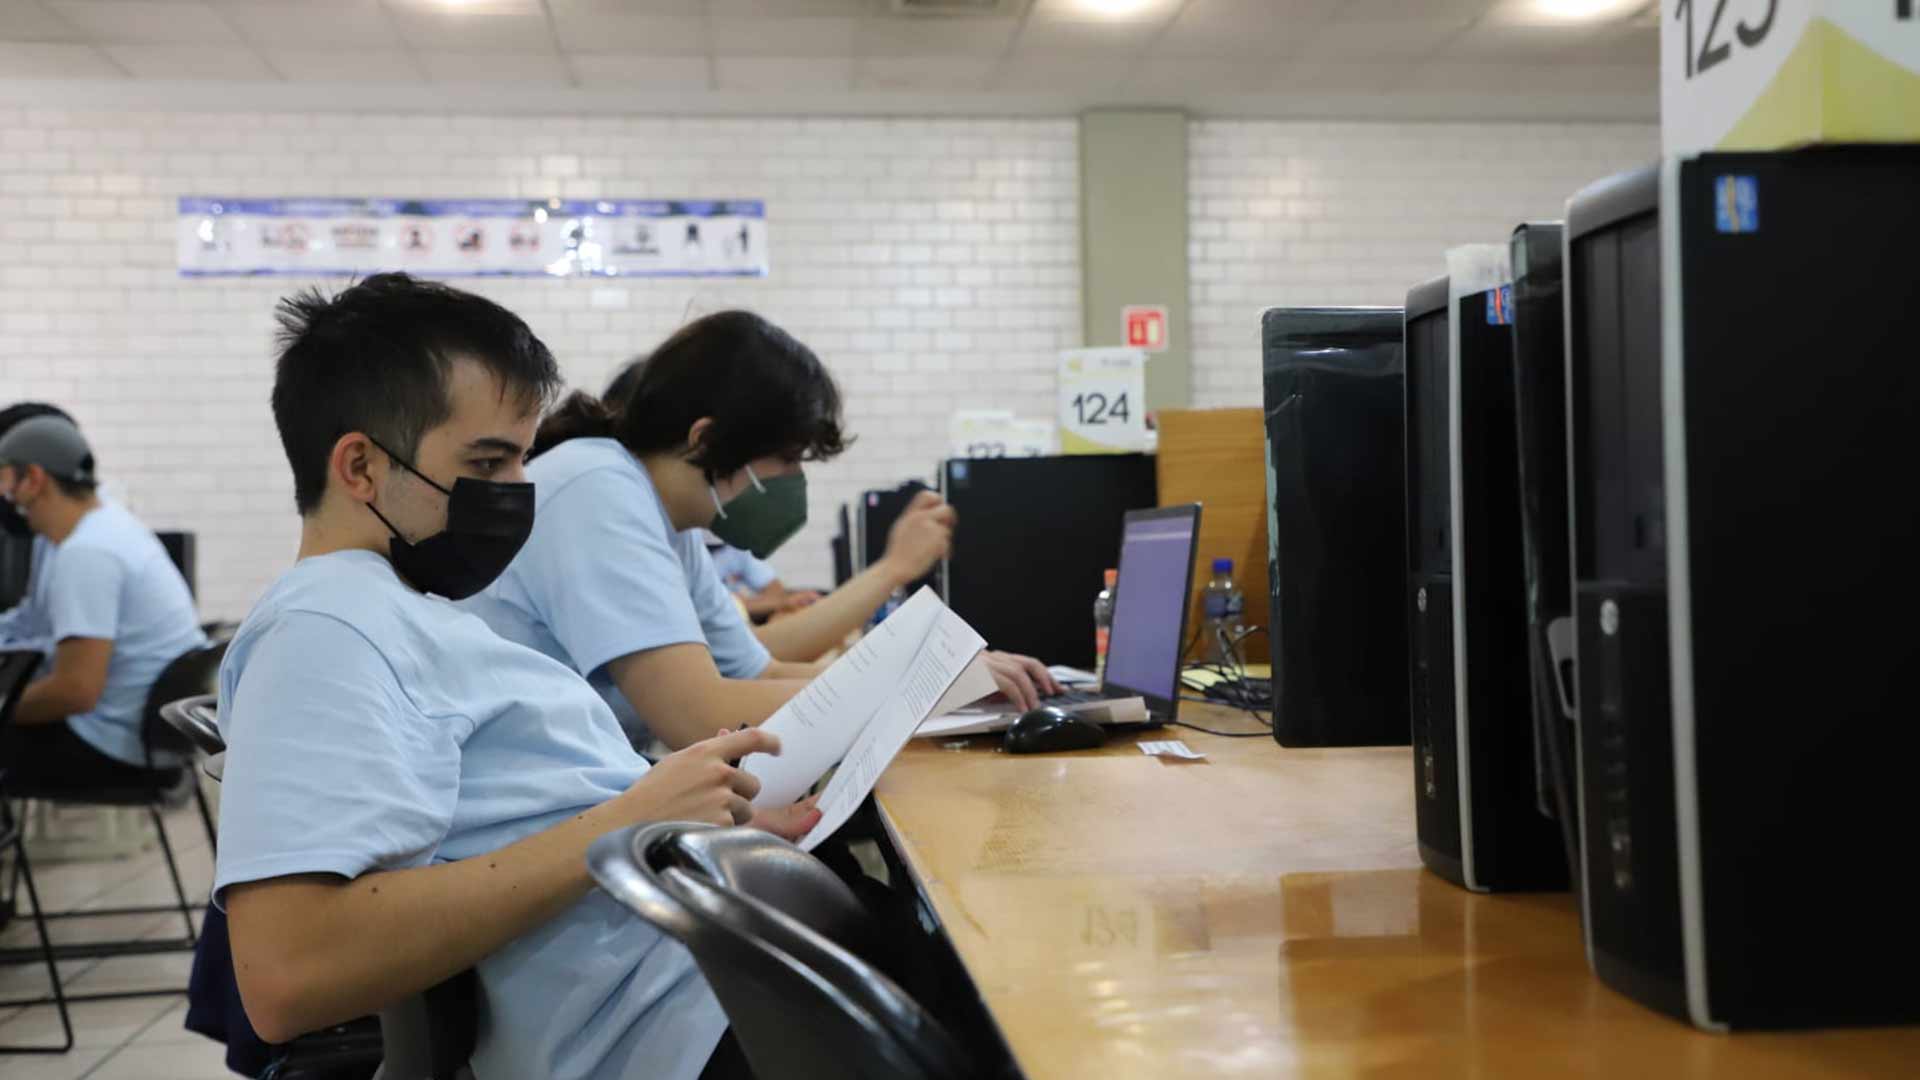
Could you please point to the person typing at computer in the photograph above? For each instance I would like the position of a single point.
(407, 794)
(616, 580)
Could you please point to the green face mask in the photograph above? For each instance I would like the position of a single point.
(764, 516)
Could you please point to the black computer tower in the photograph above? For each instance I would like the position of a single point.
(874, 514)
(842, 548)
(1540, 411)
(1336, 524)
(184, 550)
(1475, 802)
(1035, 537)
(16, 567)
(1743, 406)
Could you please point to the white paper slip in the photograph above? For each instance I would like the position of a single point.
(1073, 676)
(1173, 748)
(950, 655)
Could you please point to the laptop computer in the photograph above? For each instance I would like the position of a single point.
(1150, 606)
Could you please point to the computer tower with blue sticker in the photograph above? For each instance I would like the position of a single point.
(1742, 406)
(1336, 524)
(1475, 804)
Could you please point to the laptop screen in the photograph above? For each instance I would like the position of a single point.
(1150, 602)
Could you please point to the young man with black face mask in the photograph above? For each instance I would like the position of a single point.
(25, 625)
(709, 434)
(114, 612)
(407, 794)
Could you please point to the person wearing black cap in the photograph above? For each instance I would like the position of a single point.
(117, 612)
(24, 625)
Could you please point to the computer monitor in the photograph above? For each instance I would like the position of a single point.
(1035, 538)
(874, 515)
(1150, 605)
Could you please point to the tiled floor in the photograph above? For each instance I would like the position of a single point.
(139, 1038)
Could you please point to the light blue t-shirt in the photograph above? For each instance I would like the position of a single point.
(25, 625)
(371, 727)
(110, 578)
(739, 571)
(605, 574)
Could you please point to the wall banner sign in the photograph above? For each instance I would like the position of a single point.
(472, 237)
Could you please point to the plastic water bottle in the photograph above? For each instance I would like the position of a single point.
(1103, 625)
(1222, 603)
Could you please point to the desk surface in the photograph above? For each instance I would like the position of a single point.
(1263, 913)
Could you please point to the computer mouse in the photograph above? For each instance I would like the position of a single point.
(1049, 730)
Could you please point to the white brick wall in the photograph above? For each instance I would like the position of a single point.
(915, 255)
(1300, 214)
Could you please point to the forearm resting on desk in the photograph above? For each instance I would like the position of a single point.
(73, 686)
(682, 698)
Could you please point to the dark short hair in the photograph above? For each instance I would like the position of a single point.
(768, 396)
(377, 357)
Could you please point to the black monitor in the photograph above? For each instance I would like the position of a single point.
(874, 515)
(1035, 538)
(16, 564)
(1336, 524)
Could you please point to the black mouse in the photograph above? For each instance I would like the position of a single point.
(1048, 730)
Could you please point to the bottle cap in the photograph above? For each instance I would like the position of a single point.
(1112, 576)
(1223, 566)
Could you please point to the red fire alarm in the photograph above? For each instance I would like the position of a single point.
(1146, 327)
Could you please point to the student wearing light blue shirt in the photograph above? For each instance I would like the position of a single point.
(25, 625)
(407, 794)
(708, 433)
(114, 608)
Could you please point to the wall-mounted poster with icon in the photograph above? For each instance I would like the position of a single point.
(458, 237)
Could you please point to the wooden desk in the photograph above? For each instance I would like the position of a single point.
(1264, 914)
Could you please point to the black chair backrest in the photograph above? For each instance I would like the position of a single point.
(191, 674)
(430, 1036)
(197, 719)
(16, 671)
(802, 1006)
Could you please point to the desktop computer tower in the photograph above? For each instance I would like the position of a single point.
(1336, 524)
(16, 565)
(842, 548)
(184, 550)
(1035, 537)
(1742, 408)
(874, 514)
(1540, 411)
(1475, 803)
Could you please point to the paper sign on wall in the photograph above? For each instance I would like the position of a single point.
(991, 433)
(472, 237)
(1103, 408)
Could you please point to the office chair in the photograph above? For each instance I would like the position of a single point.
(16, 670)
(804, 1005)
(428, 1036)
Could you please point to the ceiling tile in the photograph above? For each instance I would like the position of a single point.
(1366, 40)
(925, 36)
(657, 35)
(1243, 27)
(797, 7)
(55, 61)
(776, 36)
(1632, 44)
(784, 72)
(685, 73)
(154, 23)
(1077, 76)
(1521, 80)
(344, 65)
(494, 67)
(1174, 76)
(1518, 44)
(631, 7)
(25, 20)
(1313, 75)
(355, 23)
(195, 62)
(478, 31)
(924, 73)
(1459, 12)
(1066, 26)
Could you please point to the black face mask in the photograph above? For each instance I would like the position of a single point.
(487, 522)
(12, 521)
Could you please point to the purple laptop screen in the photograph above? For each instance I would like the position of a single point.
(1143, 655)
